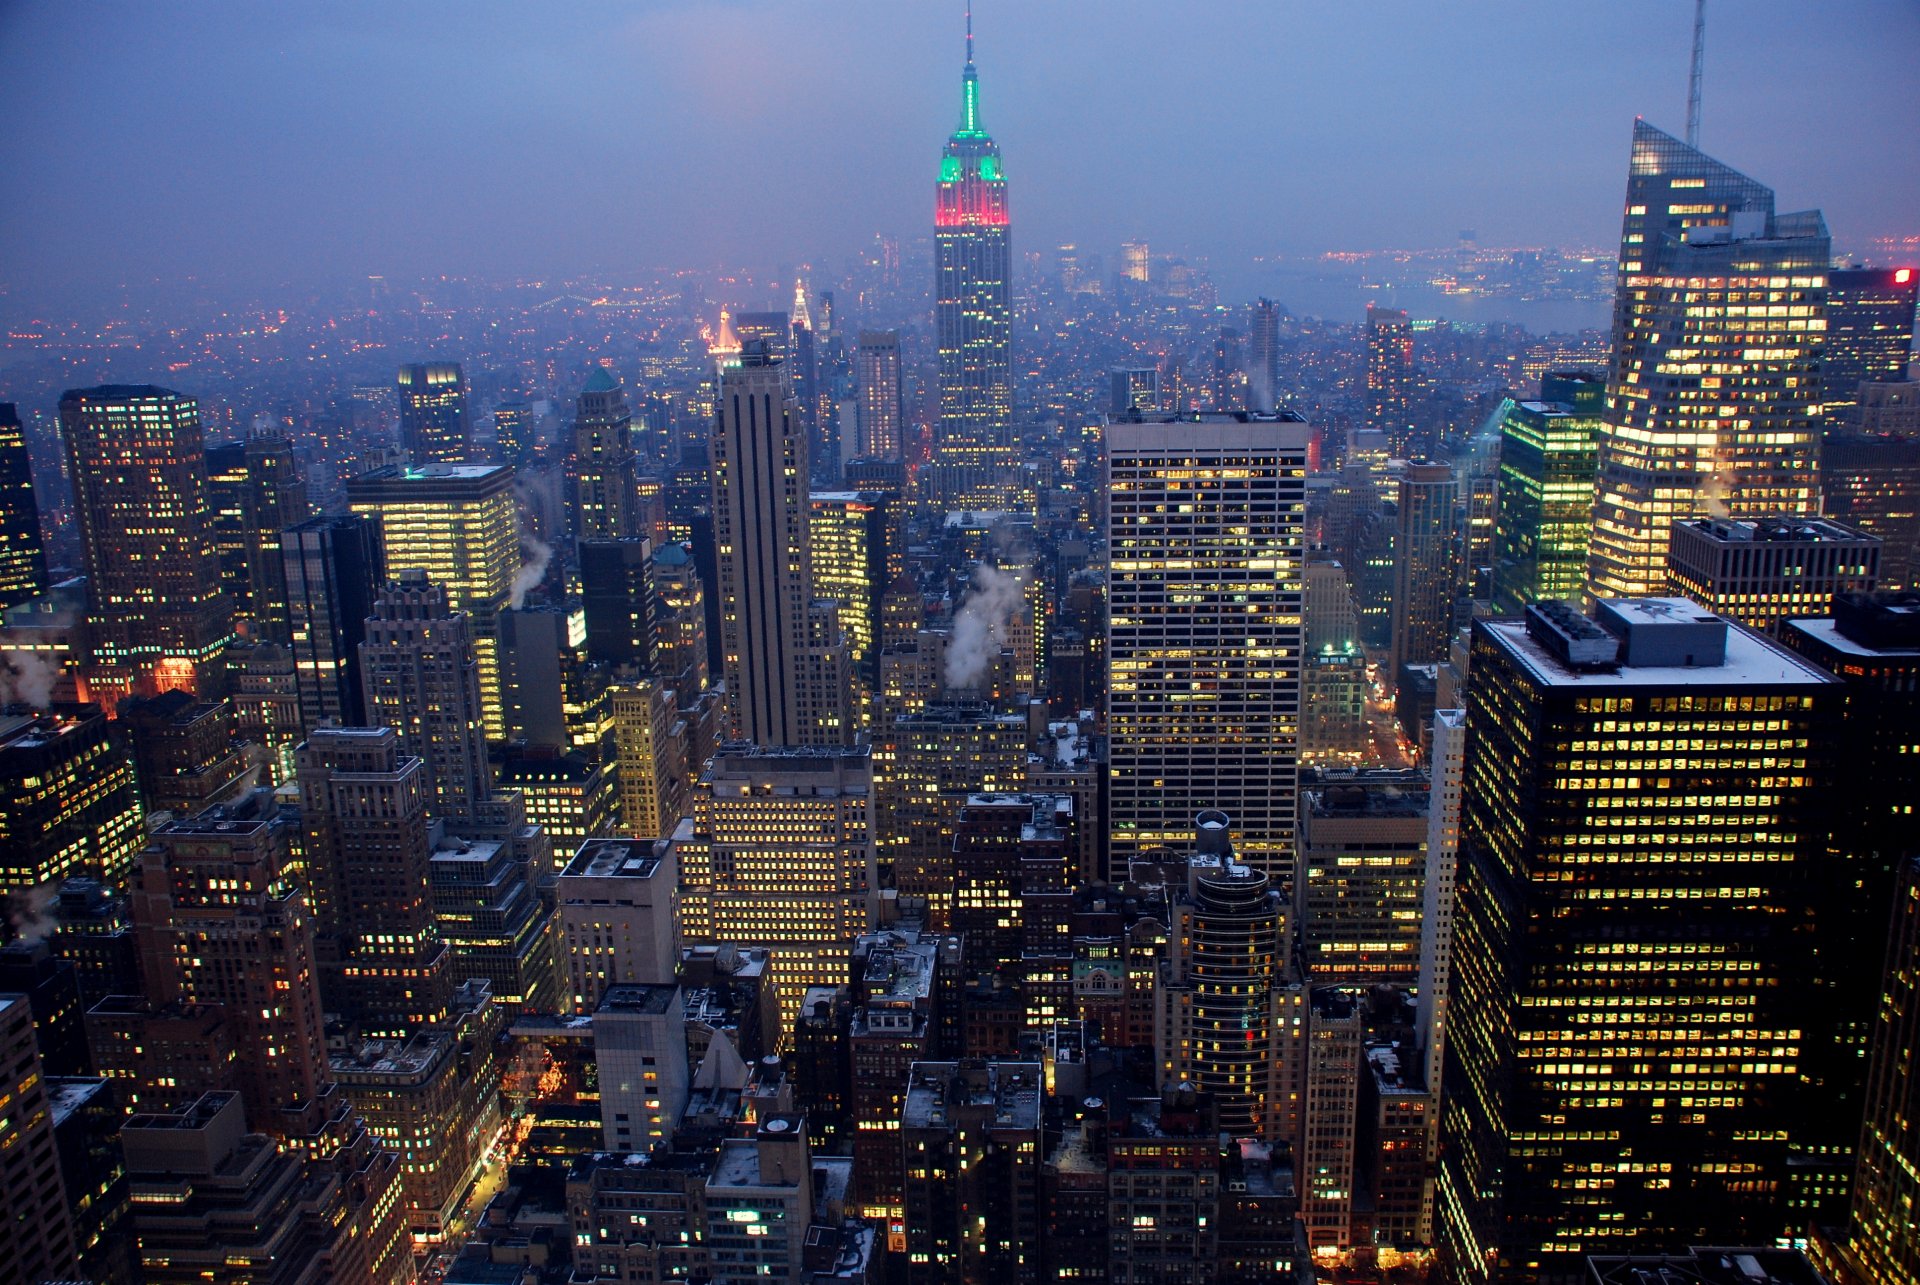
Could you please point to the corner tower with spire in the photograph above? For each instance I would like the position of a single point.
(974, 463)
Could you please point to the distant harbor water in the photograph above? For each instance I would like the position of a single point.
(1343, 297)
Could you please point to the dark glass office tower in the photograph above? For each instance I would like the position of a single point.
(616, 589)
(1714, 395)
(1870, 317)
(1263, 356)
(1871, 643)
(332, 569)
(1390, 377)
(433, 414)
(255, 491)
(1639, 916)
(23, 561)
(1883, 1241)
(972, 312)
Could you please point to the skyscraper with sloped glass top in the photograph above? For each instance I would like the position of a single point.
(1713, 401)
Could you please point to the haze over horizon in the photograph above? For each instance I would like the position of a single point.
(500, 141)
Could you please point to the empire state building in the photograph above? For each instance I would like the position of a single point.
(974, 463)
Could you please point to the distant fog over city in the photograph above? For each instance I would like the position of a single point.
(246, 146)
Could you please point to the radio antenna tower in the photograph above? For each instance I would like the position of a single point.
(1693, 80)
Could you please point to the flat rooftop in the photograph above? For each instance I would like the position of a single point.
(1752, 661)
(936, 1090)
(422, 481)
(631, 997)
(1827, 630)
(1782, 530)
(616, 859)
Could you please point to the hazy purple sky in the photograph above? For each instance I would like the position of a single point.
(316, 142)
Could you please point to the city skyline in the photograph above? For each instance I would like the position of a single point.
(1000, 761)
(369, 114)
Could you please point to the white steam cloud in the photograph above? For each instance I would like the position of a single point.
(531, 572)
(980, 625)
(27, 678)
(30, 912)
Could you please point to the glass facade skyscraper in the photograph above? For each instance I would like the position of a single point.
(1870, 320)
(1549, 450)
(1714, 395)
(23, 562)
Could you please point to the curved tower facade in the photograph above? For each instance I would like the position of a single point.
(972, 313)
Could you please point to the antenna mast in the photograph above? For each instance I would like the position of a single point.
(1693, 80)
(969, 33)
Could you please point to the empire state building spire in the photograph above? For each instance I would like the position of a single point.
(974, 462)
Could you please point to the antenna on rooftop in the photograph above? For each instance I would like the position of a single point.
(1693, 80)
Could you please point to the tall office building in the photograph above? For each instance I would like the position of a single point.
(68, 806)
(972, 312)
(1226, 1011)
(33, 1204)
(1390, 377)
(363, 803)
(1135, 388)
(1883, 1240)
(883, 396)
(1204, 635)
(617, 601)
(223, 919)
(803, 363)
(619, 904)
(600, 471)
(926, 764)
(457, 524)
(516, 432)
(681, 655)
(255, 491)
(1768, 569)
(1549, 453)
(788, 673)
(1426, 568)
(1440, 891)
(433, 414)
(1871, 643)
(23, 559)
(1714, 392)
(1870, 321)
(849, 531)
(781, 855)
(421, 678)
(1263, 357)
(772, 330)
(1667, 876)
(650, 746)
(1362, 875)
(332, 570)
(1872, 483)
(157, 617)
